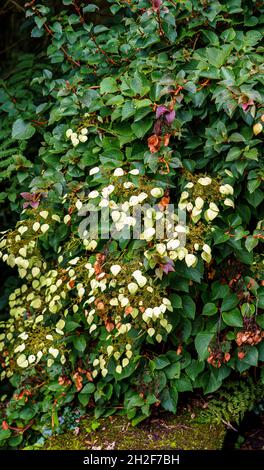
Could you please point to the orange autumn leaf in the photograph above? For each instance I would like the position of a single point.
(109, 326)
(164, 202)
(227, 357)
(78, 381)
(154, 142)
(5, 426)
(240, 355)
(128, 310)
(166, 139)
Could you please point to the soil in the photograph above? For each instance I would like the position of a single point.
(254, 434)
(250, 435)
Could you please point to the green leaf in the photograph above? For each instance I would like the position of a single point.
(176, 301)
(260, 321)
(251, 242)
(108, 85)
(202, 342)
(169, 399)
(71, 326)
(255, 198)
(233, 154)
(27, 413)
(184, 384)
(79, 343)
(233, 318)
(88, 388)
(209, 309)
(194, 369)
(4, 434)
(261, 351)
(160, 362)
(252, 154)
(213, 384)
(251, 356)
(188, 306)
(22, 130)
(218, 56)
(173, 371)
(141, 128)
(128, 110)
(229, 302)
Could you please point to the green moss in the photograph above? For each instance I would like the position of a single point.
(166, 432)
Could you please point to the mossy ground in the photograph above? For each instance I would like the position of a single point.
(165, 432)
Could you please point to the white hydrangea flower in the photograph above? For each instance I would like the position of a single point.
(118, 172)
(157, 192)
(213, 207)
(205, 181)
(134, 172)
(69, 133)
(128, 185)
(36, 226)
(207, 248)
(133, 201)
(148, 234)
(78, 204)
(67, 218)
(94, 170)
(226, 190)
(75, 142)
(104, 203)
(82, 138)
(151, 332)
(115, 269)
(161, 249)
(210, 215)
(206, 256)
(173, 244)
(132, 287)
(199, 202)
(107, 191)
(196, 212)
(142, 197)
(93, 194)
(54, 352)
(228, 202)
(115, 215)
(190, 260)
(109, 350)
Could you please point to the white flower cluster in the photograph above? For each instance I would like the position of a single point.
(26, 259)
(125, 301)
(77, 138)
(25, 333)
(199, 208)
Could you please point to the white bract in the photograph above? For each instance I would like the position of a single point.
(157, 192)
(190, 260)
(94, 170)
(115, 269)
(226, 190)
(119, 172)
(205, 181)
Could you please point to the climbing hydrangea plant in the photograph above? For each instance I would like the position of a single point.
(157, 103)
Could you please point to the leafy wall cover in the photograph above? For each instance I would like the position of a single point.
(152, 102)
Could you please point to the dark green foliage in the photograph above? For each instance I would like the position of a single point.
(232, 402)
(120, 322)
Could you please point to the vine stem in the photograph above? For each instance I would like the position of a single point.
(50, 33)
